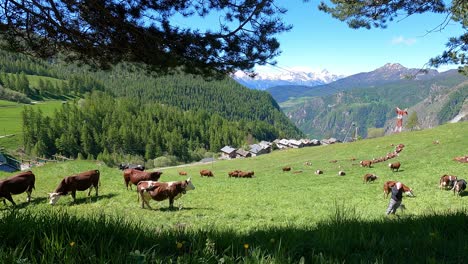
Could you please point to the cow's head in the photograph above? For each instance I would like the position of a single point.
(54, 197)
(190, 185)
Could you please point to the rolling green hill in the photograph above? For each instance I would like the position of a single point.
(275, 217)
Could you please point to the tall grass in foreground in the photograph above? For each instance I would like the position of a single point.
(51, 236)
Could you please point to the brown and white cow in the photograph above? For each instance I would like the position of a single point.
(161, 191)
(369, 177)
(206, 173)
(23, 182)
(459, 186)
(182, 173)
(79, 182)
(366, 163)
(341, 173)
(387, 188)
(318, 172)
(133, 176)
(287, 168)
(394, 166)
(447, 181)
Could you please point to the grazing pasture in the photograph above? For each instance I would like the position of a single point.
(10, 113)
(275, 217)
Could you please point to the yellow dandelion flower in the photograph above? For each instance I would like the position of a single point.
(179, 245)
(246, 246)
(72, 244)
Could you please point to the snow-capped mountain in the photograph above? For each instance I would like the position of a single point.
(290, 77)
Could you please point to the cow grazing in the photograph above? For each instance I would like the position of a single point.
(287, 168)
(333, 161)
(134, 176)
(161, 191)
(459, 186)
(389, 184)
(370, 178)
(234, 173)
(319, 172)
(308, 163)
(206, 173)
(71, 184)
(366, 163)
(182, 173)
(341, 173)
(124, 166)
(447, 181)
(20, 183)
(246, 174)
(394, 166)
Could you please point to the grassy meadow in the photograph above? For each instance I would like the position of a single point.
(11, 124)
(275, 217)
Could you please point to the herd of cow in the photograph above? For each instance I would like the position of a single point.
(148, 185)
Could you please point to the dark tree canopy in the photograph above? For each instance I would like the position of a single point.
(377, 13)
(105, 32)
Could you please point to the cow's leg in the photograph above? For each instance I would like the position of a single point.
(9, 198)
(89, 190)
(73, 195)
(97, 189)
(171, 203)
(29, 196)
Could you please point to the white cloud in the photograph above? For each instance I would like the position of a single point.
(402, 40)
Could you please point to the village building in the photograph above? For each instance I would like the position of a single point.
(295, 143)
(228, 152)
(241, 153)
(257, 149)
(282, 143)
(8, 163)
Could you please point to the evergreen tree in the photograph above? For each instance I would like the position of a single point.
(412, 122)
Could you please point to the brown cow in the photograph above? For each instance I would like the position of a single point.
(22, 182)
(319, 172)
(246, 174)
(370, 177)
(133, 176)
(287, 168)
(447, 181)
(366, 163)
(459, 186)
(341, 173)
(206, 173)
(80, 182)
(234, 173)
(387, 188)
(182, 173)
(160, 191)
(394, 166)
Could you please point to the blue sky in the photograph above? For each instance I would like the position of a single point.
(318, 41)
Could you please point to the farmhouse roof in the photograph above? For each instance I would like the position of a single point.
(242, 152)
(228, 149)
(255, 148)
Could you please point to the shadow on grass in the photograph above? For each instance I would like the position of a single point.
(87, 199)
(343, 238)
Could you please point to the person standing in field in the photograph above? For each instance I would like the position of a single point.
(396, 199)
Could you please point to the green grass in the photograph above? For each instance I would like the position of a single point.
(327, 216)
(11, 124)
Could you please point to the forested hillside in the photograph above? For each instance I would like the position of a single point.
(144, 115)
